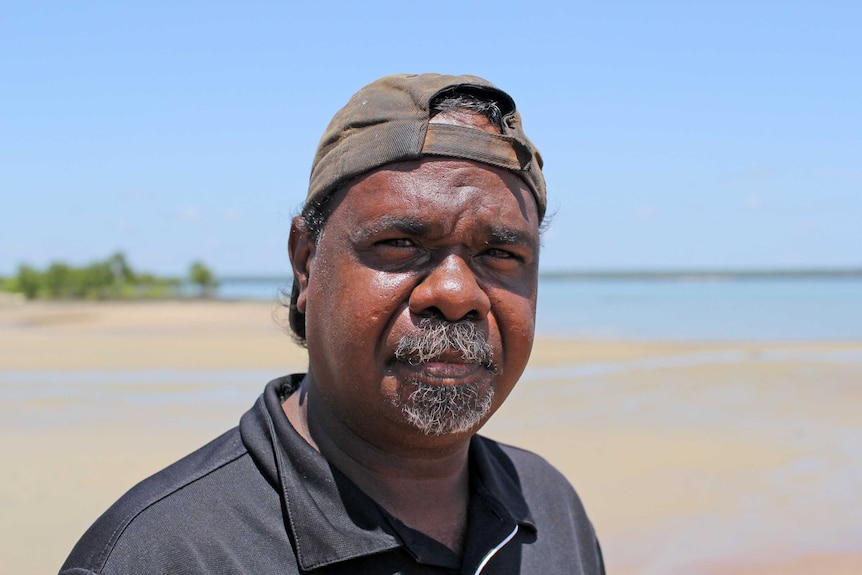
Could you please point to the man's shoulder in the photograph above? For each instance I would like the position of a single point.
(527, 465)
(144, 506)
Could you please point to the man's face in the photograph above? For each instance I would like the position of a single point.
(429, 242)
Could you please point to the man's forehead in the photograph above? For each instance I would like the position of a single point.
(432, 195)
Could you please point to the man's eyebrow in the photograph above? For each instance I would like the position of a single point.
(402, 224)
(411, 226)
(508, 236)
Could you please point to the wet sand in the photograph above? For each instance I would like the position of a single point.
(709, 458)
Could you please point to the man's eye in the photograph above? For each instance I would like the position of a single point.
(398, 243)
(500, 254)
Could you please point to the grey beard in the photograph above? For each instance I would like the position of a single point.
(444, 409)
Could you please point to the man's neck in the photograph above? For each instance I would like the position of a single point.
(427, 489)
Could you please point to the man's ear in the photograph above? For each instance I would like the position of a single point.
(302, 249)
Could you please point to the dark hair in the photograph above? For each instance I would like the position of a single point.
(315, 213)
(458, 101)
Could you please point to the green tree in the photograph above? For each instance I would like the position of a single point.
(120, 268)
(58, 280)
(29, 281)
(201, 276)
(96, 281)
(111, 278)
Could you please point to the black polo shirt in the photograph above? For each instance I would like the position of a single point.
(259, 499)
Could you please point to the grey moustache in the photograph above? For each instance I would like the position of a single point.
(434, 338)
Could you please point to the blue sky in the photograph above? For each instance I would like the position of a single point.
(683, 134)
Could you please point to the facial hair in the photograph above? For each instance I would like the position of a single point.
(444, 409)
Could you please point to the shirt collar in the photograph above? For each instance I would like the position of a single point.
(494, 474)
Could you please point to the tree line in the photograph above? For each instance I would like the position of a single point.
(112, 278)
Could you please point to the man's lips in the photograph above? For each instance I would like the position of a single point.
(447, 370)
(446, 366)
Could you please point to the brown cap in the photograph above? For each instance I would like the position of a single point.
(388, 121)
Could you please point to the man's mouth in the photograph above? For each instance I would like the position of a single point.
(440, 348)
(445, 368)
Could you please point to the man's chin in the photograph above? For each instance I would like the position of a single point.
(436, 409)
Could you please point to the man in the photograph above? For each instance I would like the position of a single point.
(415, 266)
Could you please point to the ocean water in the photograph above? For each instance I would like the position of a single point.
(743, 309)
(733, 309)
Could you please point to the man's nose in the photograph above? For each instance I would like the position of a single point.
(450, 290)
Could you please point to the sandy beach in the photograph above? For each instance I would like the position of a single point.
(708, 457)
